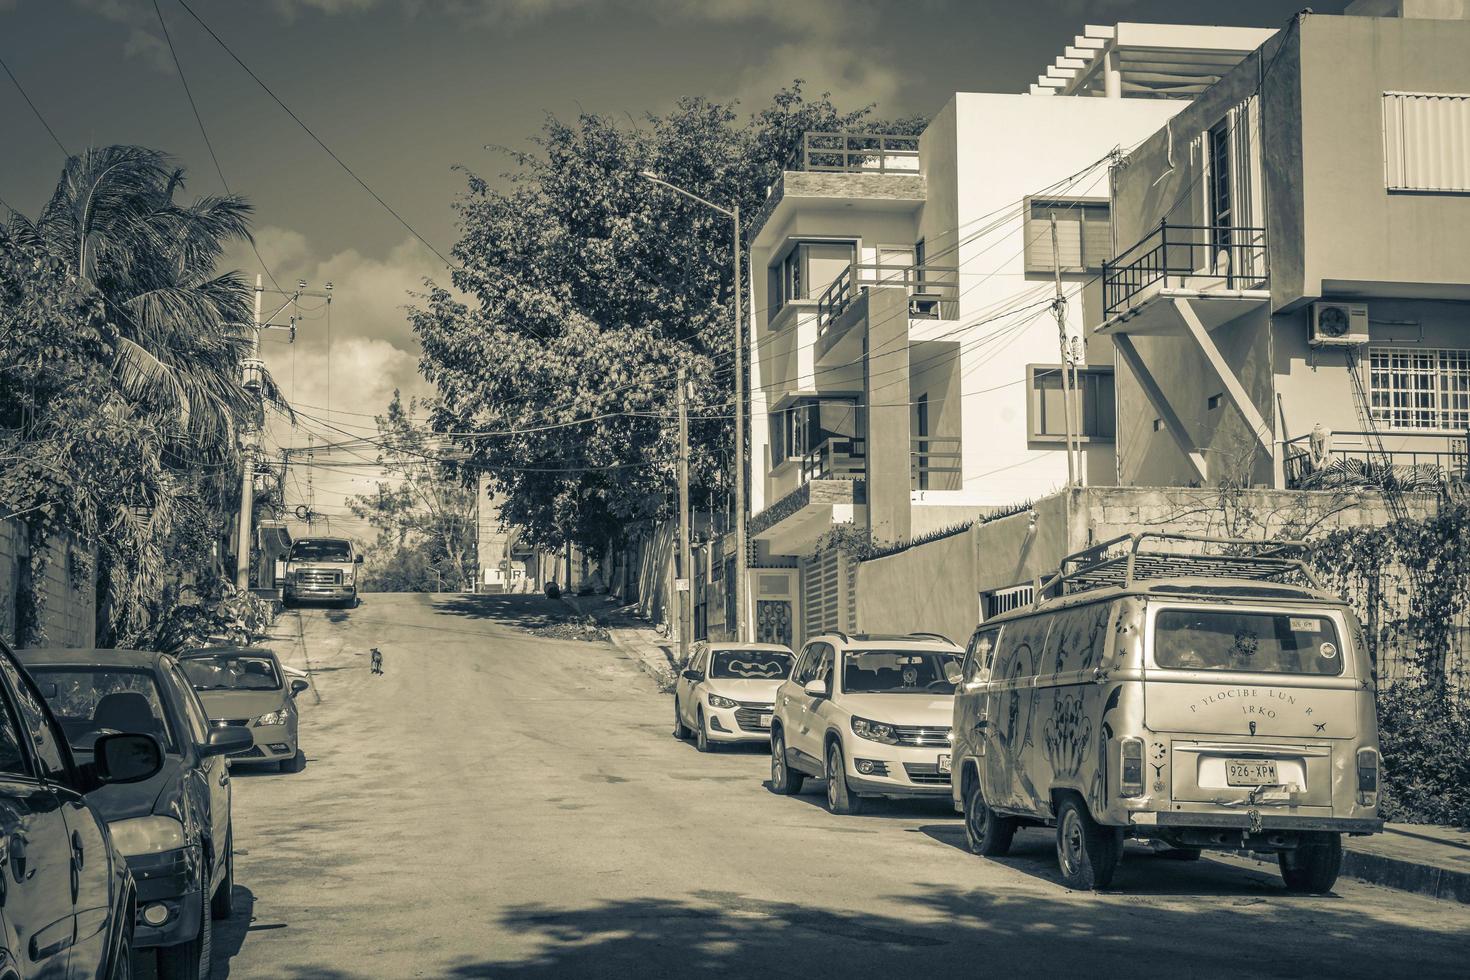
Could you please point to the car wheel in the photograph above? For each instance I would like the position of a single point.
(840, 797)
(784, 780)
(701, 732)
(294, 764)
(1087, 853)
(1314, 865)
(681, 730)
(191, 960)
(989, 834)
(222, 906)
(122, 963)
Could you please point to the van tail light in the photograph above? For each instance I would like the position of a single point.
(1130, 782)
(1368, 777)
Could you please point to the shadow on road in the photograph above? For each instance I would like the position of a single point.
(527, 611)
(952, 932)
(229, 934)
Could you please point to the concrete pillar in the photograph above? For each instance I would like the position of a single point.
(1112, 76)
(886, 397)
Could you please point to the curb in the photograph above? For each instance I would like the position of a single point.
(1422, 879)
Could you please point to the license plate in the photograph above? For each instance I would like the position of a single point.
(1239, 772)
(765, 721)
(944, 763)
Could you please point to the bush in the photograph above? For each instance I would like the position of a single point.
(1426, 757)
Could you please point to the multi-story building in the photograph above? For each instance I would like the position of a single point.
(905, 356)
(1291, 299)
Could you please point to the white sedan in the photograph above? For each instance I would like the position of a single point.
(727, 690)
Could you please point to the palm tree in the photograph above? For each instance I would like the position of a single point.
(182, 329)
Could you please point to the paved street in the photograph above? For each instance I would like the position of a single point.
(497, 804)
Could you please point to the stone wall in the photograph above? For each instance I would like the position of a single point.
(69, 615)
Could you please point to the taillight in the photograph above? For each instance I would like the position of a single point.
(1130, 781)
(1367, 777)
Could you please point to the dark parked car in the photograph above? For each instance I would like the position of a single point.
(66, 898)
(246, 688)
(174, 828)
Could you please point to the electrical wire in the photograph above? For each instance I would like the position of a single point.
(40, 118)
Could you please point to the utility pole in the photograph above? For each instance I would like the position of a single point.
(685, 578)
(1059, 306)
(741, 554)
(251, 381)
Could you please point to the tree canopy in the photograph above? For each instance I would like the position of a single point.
(583, 287)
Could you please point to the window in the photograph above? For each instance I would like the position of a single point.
(980, 654)
(894, 263)
(198, 718)
(1045, 414)
(1420, 389)
(12, 755)
(1084, 235)
(89, 701)
(1425, 147)
(760, 665)
(807, 269)
(806, 425)
(1006, 600)
(33, 719)
(900, 672)
(1254, 642)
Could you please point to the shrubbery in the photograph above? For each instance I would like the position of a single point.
(1426, 757)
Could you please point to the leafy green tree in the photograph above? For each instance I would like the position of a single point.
(583, 288)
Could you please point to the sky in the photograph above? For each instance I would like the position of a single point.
(405, 91)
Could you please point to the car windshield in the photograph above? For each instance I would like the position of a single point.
(93, 701)
(755, 665)
(1254, 642)
(900, 671)
(231, 672)
(321, 551)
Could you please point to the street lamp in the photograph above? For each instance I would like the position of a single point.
(733, 213)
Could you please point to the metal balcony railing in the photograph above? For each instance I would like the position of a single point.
(838, 458)
(1407, 460)
(1186, 252)
(932, 289)
(862, 153)
(935, 463)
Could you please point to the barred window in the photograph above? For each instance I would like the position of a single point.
(1420, 389)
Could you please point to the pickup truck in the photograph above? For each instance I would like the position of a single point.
(322, 570)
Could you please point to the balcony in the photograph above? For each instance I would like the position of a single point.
(857, 153)
(932, 290)
(935, 463)
(1193, 259)
(1378, 460)
(843, 458)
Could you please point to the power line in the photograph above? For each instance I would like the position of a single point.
(54, 138)
(205, 133)
(317, 139)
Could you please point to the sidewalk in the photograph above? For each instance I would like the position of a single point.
(635, 637)
(1432, 861)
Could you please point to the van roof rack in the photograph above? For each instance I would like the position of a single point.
(1106, 564)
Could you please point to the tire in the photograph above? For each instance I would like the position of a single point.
(122, 963)
(1087, 853)
(1313, 867)
(191, 960)
(784, 780)
(841, 800)
(989, 834)
(701, 732)
(294, 764)
(222, 905)
(681, 730)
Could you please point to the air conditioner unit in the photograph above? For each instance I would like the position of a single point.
(1339, 324)
(924, 306)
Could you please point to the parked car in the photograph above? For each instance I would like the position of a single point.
(870, 714)
(174, 827)
(1258, 693)
(727, 692)
(66, 896)
(321, 570)
(246, 687)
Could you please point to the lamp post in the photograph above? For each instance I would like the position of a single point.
(733, 213)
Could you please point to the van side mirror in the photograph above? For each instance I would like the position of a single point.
(126, 757)
(815, 689)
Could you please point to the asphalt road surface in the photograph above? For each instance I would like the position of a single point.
(500, 804)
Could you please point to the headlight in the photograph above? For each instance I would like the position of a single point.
(715, 701)
(147, 835)
(877, 731)
(274, 718)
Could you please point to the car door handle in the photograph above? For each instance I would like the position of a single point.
(16, 855)
(78, 849)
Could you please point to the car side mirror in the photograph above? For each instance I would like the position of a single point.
(127, 757)
(297, 686)
(692, 675)
(227, 741)
(357, 560)
(815, 689)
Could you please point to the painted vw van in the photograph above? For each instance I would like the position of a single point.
(1193, 700)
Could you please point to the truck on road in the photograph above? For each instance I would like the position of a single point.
(322, 570)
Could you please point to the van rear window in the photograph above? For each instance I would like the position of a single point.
(1254, 642)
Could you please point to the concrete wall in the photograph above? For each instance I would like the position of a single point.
(69, 616)
(924, 588)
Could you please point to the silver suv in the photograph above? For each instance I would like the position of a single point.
(869, 713)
